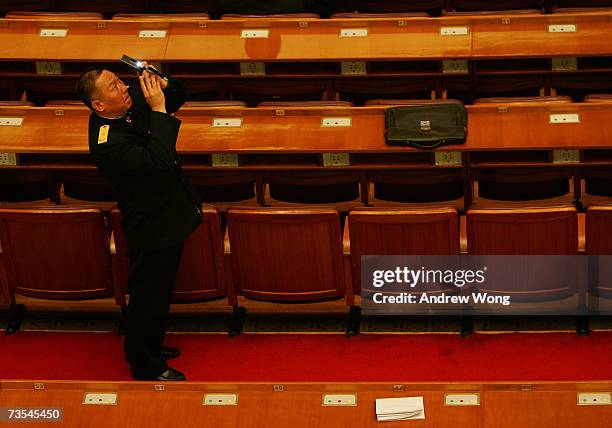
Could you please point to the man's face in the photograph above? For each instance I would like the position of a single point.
(112, 99)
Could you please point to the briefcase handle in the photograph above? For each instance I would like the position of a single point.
(426, 147)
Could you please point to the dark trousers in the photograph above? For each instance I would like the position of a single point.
(151, 283)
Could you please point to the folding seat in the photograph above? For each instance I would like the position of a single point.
(65, 103)
(581, 85)
(506, 86)
(184, 6)
(202, 274)
(239, 16)
(397, 231)
(430, 186)
(495, 5)
(572, 10)
(288, 255)
(221, 188)
(394, 6)
(598, 98)
(107, 7)
(529, 232)
(360, 90)
(557, 99)
(55, 253)
(21, 186)
(523, 231)
(362, 15)
(538, 185)
(254, 7)
(164, 17)
(26, 5)
(6, 91)
(305, 104)
(597, 180)
(83, 186)
(254, 91)
(42, 90)
(491, 12)
(86, 186)
(583, 3)
(215, 104)
(312, 69)
(25, 186)
(598, 243)
(80, 186)
(204, 89)
(54, 16)
(9, 103)
(338, 188)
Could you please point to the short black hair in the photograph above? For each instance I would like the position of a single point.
(86, 85)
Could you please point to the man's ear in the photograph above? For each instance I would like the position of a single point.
(97, 105)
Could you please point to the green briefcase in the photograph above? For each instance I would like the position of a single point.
(426, 126)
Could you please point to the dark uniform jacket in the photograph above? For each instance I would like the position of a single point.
(137, 155)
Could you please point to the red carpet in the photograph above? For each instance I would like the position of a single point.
(325, 358)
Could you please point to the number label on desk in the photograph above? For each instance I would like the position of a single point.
(227, 122)
(562, 28)
(11, 121)
(354, 32)
(220, 400)
(462, 399)
(53, 32)
(339, 400)
(103, 398)
(152, 34)
(255, 34)
(588, 398)
(564, 118)
(332, 122)
(454, 31)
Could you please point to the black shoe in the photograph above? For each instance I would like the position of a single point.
(169, 352)
(171, 375)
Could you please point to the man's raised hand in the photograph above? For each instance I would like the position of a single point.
(152, 91)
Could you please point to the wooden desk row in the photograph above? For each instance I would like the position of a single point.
(491, 127)
(487, 36)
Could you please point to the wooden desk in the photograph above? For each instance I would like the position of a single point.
(86, 40)
(309, 39)
(316, 39)
(294, 139)
(524, 126)
(518, 126)
(531, 36)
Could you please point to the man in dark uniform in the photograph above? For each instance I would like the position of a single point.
(132, 138)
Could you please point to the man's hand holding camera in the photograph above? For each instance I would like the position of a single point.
(152, 89)
(153, 92)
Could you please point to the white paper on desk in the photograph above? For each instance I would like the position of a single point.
(388, 409)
